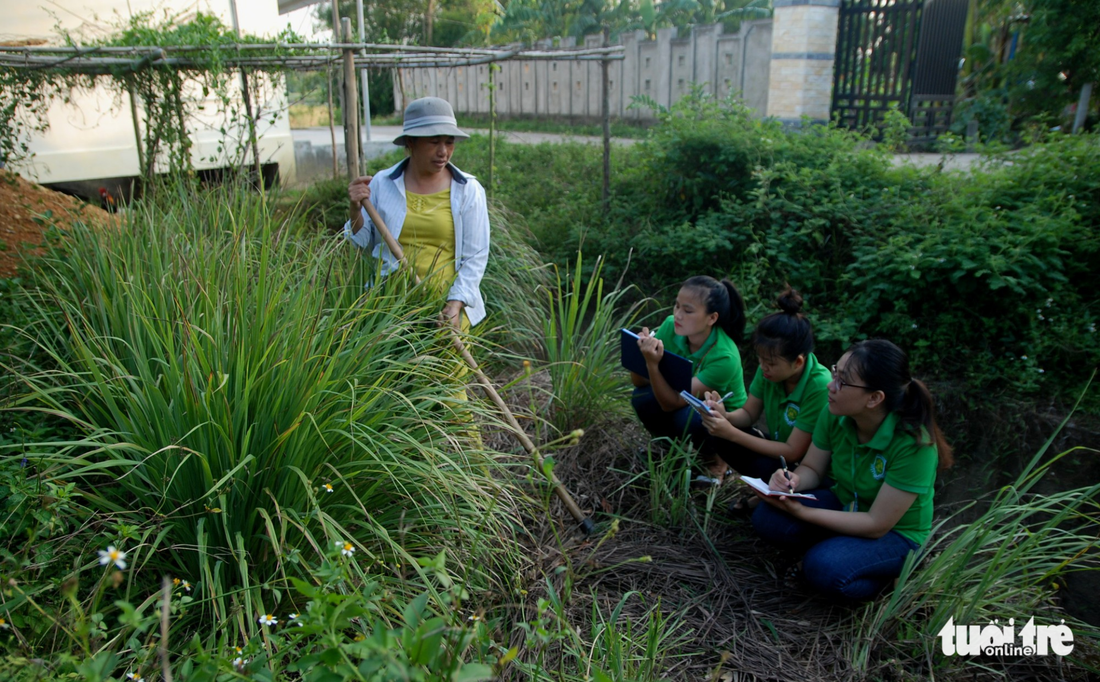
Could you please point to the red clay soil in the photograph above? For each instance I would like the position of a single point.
(27, 209)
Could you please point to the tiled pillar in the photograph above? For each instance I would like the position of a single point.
(803, 52)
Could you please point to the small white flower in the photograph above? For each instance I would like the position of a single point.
(240, 662)
(1050, 302)
(112, 556)
(268, 620)
(4, 624)
(1023, 357)
(939, 260)
(346, 548)
(1042, 318)
(134, 678)
(914, 325)
(1041, 370)
(328, 488)
(295, 618)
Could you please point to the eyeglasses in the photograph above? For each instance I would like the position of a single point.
(841, 383)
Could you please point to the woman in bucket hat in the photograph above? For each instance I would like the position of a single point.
(435, 211)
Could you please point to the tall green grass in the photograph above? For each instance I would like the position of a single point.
(581, 334)
(221, 369)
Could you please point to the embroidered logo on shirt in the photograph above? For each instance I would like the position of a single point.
(878, 468)
(790, 415)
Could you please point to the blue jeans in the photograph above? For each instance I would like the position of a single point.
(839, 566)
(741, 459)
(661, 424)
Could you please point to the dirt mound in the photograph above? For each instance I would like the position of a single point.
(27, 209)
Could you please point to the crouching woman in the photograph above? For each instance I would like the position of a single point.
(872, 466)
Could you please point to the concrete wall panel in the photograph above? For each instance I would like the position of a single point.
(662, 69)
(682, 68)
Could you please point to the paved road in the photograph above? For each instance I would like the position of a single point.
(384, 135)
(322, 137)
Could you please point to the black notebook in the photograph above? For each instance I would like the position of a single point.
(674, 368)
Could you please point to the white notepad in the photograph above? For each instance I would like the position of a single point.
(763, 487)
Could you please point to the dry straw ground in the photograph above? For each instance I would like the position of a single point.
(740, 619)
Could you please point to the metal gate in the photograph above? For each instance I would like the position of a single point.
(898, 53)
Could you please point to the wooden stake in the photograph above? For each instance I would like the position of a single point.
(585, 522)
(351, 105)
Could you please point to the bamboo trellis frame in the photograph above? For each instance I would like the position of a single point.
(108, 60)
(105, 60)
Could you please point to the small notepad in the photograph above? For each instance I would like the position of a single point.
(701, 407)
(763, 487)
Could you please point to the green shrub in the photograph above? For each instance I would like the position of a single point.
(325, 204)
(983, 275)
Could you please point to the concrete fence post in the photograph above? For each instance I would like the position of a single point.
(803, 52)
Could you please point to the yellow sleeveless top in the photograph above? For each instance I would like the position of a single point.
(428, 237)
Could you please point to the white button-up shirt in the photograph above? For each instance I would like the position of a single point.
(471, 220)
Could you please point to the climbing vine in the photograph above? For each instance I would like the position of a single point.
(174, 100)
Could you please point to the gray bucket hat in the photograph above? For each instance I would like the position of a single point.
(428, 117)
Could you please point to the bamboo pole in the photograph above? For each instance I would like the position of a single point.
(606, 127)
(586, 523)
(332, 129)
(137, 127)
(241, 47)
(351, 106)
(252, 139)
(492, 127)
(246, 95)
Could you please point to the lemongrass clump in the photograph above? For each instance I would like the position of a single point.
(230, 379)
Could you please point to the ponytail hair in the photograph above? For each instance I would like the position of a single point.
(885, 367)
(724, 299)
(787, 333)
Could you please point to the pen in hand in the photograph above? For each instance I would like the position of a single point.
(786, 473)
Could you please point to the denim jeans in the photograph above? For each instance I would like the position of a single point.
(839, 566)
(741, 459)
(661, 424)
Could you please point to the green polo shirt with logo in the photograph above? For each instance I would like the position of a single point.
(892, 456)
(717, 363)
(798, 409)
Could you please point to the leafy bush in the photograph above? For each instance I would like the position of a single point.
(983, 276)
(990, 110)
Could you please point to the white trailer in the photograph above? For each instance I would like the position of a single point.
(91, 139)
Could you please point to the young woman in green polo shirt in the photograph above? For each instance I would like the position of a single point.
(706, 323)
(790, 389)
(872, 467)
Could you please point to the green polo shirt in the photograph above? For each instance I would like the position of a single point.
(717, 363)
(893, 456)
(798, 409)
